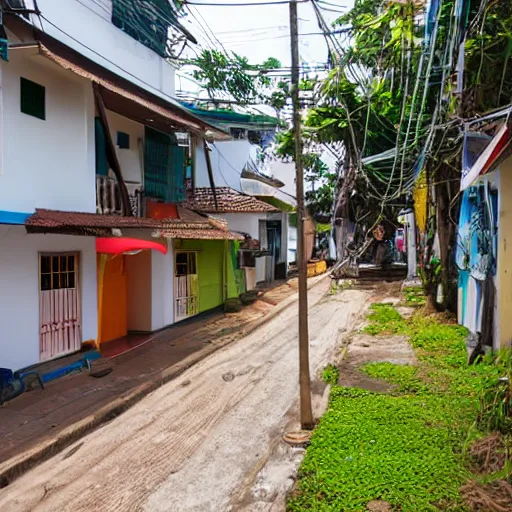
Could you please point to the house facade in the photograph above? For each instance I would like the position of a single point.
(253, 203)
(485, 229)
(93, 148)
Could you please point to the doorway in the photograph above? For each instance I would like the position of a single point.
(186, 285)
(59, 305)
(274, 247)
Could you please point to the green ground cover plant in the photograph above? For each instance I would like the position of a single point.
(330, 374)
(410, 447)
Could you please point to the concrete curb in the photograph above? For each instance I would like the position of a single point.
(13, 468)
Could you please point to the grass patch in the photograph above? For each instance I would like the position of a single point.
(384, 319)
(330, 374)
(414, 297)
(409, 448)
(404, 376)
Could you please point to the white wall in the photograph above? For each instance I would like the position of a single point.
(292, 243)
(94, 36)
(244, 222)
(228, 161)
(19, 282)
(162, 288)
(129, 159)
(284, 172)
(47, 163)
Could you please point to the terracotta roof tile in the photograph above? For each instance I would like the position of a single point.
(189, 225)
(228, 201)
(199, 234)
(55, 219)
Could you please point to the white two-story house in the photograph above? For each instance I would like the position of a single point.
(250, 201)
(92, 145)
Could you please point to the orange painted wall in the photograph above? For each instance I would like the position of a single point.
(113, 318)
(159, 211)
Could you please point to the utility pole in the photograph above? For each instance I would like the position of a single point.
(306, 413)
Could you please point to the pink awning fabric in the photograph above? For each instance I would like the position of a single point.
(121, 245)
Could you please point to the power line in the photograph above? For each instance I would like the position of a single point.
(285, 36)
(209, 28)
(277, 2)
(328, 9)
(208, 39)
(330, 3)
(255, 29)
(98, 54)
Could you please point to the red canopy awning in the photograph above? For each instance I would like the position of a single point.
(121, 245)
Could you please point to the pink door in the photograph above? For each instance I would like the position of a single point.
(59, 305)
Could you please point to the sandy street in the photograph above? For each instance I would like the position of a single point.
(195, 443)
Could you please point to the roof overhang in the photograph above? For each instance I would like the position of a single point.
(254, 175)
(189, 225)
(194, 234)
(228, 201)
(494, 152)
(120, 95)
(13, 218)
(261, 190)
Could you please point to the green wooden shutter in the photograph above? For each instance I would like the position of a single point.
(156, 164)
(177, 174)
(32, 99)
(101, 148)
(164, 167)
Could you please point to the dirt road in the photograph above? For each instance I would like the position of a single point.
(192, 444)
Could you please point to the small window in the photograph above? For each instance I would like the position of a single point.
(57, 271)
(123, 140)
(185, 263)
(33, 102)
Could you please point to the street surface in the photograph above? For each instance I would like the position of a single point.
(196, 443)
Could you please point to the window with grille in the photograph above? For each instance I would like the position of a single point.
(32, 99)
(57, 271)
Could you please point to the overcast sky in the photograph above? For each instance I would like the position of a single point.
(259, 32)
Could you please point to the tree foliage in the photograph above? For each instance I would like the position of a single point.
(395, 91)
(232, 74)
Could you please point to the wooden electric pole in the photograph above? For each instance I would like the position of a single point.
(306, 413)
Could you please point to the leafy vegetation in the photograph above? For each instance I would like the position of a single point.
(404, 376)
(414, 297)
(330, 374)
(232, 74)
(409, 447)
(385, 319)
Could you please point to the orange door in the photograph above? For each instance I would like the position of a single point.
(112, 317)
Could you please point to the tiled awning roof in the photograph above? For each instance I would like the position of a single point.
(189, 225)
(199, 234)
(228, 201)
(59, 219)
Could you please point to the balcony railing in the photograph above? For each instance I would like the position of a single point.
(108, 198)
